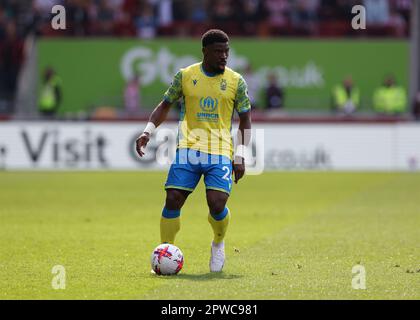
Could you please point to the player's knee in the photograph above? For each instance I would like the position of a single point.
(216, 201)
(174, 199)
(217, 205)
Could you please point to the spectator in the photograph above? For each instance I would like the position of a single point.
(124, 26)
(403, 7)
(164, 12)
(398, 24)
(3, 90)
(105, 18)
(116, 6)
(78, 18)
(252, 82)
(346, 97)
(51, 96)
(11, 8)
(344, 8)
(132, 96)
(43, 7)
(221, 11)
(3, 23)
(181, 10)
(304, 15)
(34, 21)
(130, 7)
(198, 11)
(277, 14)
(274, 95)
(250, 14)
(330, 10)
(377, 12)
(390, 99)
(11, 58)
(146, 24)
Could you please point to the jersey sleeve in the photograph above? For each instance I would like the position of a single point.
(174, 91)
(242, 103)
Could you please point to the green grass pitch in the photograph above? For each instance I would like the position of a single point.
(292, 236)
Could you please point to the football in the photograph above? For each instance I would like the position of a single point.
(167, 259)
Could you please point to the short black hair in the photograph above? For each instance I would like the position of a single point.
(212, 36)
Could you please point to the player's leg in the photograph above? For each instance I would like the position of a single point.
(219, 220)
(218, 181)
(218, 214)
(182, 180)
(170, 222)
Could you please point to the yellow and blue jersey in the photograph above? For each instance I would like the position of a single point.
(207, 108)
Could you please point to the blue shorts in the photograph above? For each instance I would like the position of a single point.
(189, 165)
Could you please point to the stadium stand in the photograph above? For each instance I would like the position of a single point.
(151, 18)
(146, 19)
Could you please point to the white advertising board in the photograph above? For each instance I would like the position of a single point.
(103, 146)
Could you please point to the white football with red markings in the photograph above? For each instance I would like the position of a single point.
(167, 259)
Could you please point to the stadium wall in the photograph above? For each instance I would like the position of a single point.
(110, 146)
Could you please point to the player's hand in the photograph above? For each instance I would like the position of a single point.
(141, 142)
(238, 168)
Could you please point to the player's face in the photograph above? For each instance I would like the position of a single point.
(216, 56)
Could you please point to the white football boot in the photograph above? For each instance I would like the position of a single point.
(217, 259)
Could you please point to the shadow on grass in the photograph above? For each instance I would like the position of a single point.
(203, 277)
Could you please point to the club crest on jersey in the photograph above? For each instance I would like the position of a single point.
(223, 85)
(195, 82)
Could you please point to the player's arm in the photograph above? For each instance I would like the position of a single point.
(160, 113)
(243, 107)
(243, 139)
(157, 116)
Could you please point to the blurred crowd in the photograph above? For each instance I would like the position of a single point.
(151, 18)
(11, 51)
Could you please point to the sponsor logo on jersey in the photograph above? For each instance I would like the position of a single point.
(208, 105)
